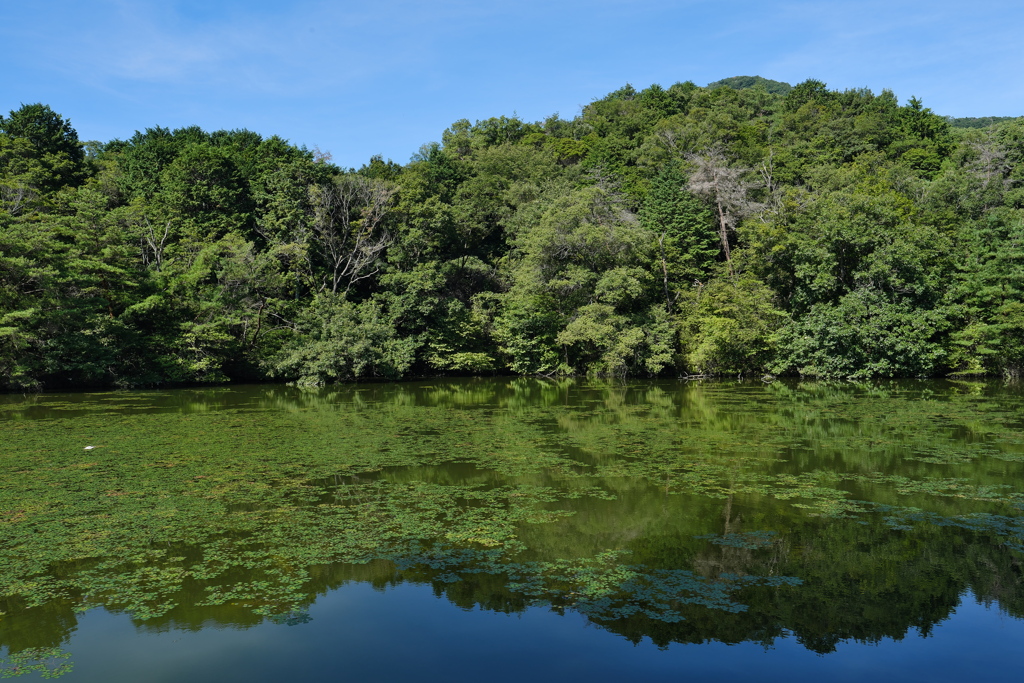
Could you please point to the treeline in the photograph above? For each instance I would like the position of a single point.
(679, 231)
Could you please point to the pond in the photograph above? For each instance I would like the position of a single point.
(514, 528)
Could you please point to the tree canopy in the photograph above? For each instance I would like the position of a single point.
(742, 228)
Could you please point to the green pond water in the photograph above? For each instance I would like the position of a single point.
(514, 528)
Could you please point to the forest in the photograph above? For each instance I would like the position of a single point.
(746, 228)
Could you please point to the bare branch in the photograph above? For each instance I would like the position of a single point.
(14, 197)
(348, 226)
(726, 187)
(155, 246)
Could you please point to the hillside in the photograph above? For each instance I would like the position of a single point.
(742, 82)
(664, 231)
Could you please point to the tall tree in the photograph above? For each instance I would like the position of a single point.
(685, 227)
(50, 141)
(45, 129)
(726, 188)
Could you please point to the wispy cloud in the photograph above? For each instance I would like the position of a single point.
(389, 75)
(284, 49)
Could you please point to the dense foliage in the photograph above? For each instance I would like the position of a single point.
(678, 231)
(741, 82)
(977, 121)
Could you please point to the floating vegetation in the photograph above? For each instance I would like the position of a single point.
(948, 487)
(291, 618)
(618, 501)
(48, 662)
(602, 587)
(749, 540)
(1008, 530)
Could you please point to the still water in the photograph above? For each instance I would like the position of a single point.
(514, 528)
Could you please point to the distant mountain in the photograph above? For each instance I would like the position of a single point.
(743, 82)
(977, 121)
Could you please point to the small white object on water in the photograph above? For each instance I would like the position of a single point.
(89, 448)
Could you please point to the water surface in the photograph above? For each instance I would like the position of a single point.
(514, 528)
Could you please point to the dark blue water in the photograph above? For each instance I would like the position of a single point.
(406, 633)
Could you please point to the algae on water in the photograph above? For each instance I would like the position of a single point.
(634, 504)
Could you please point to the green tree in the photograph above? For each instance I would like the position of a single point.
(729, 326)
(685, 227)
(204, 188)
(987, 298)
(337, 340)
(865, 334)
(51, 139)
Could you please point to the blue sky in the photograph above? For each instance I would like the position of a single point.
(385, 77)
